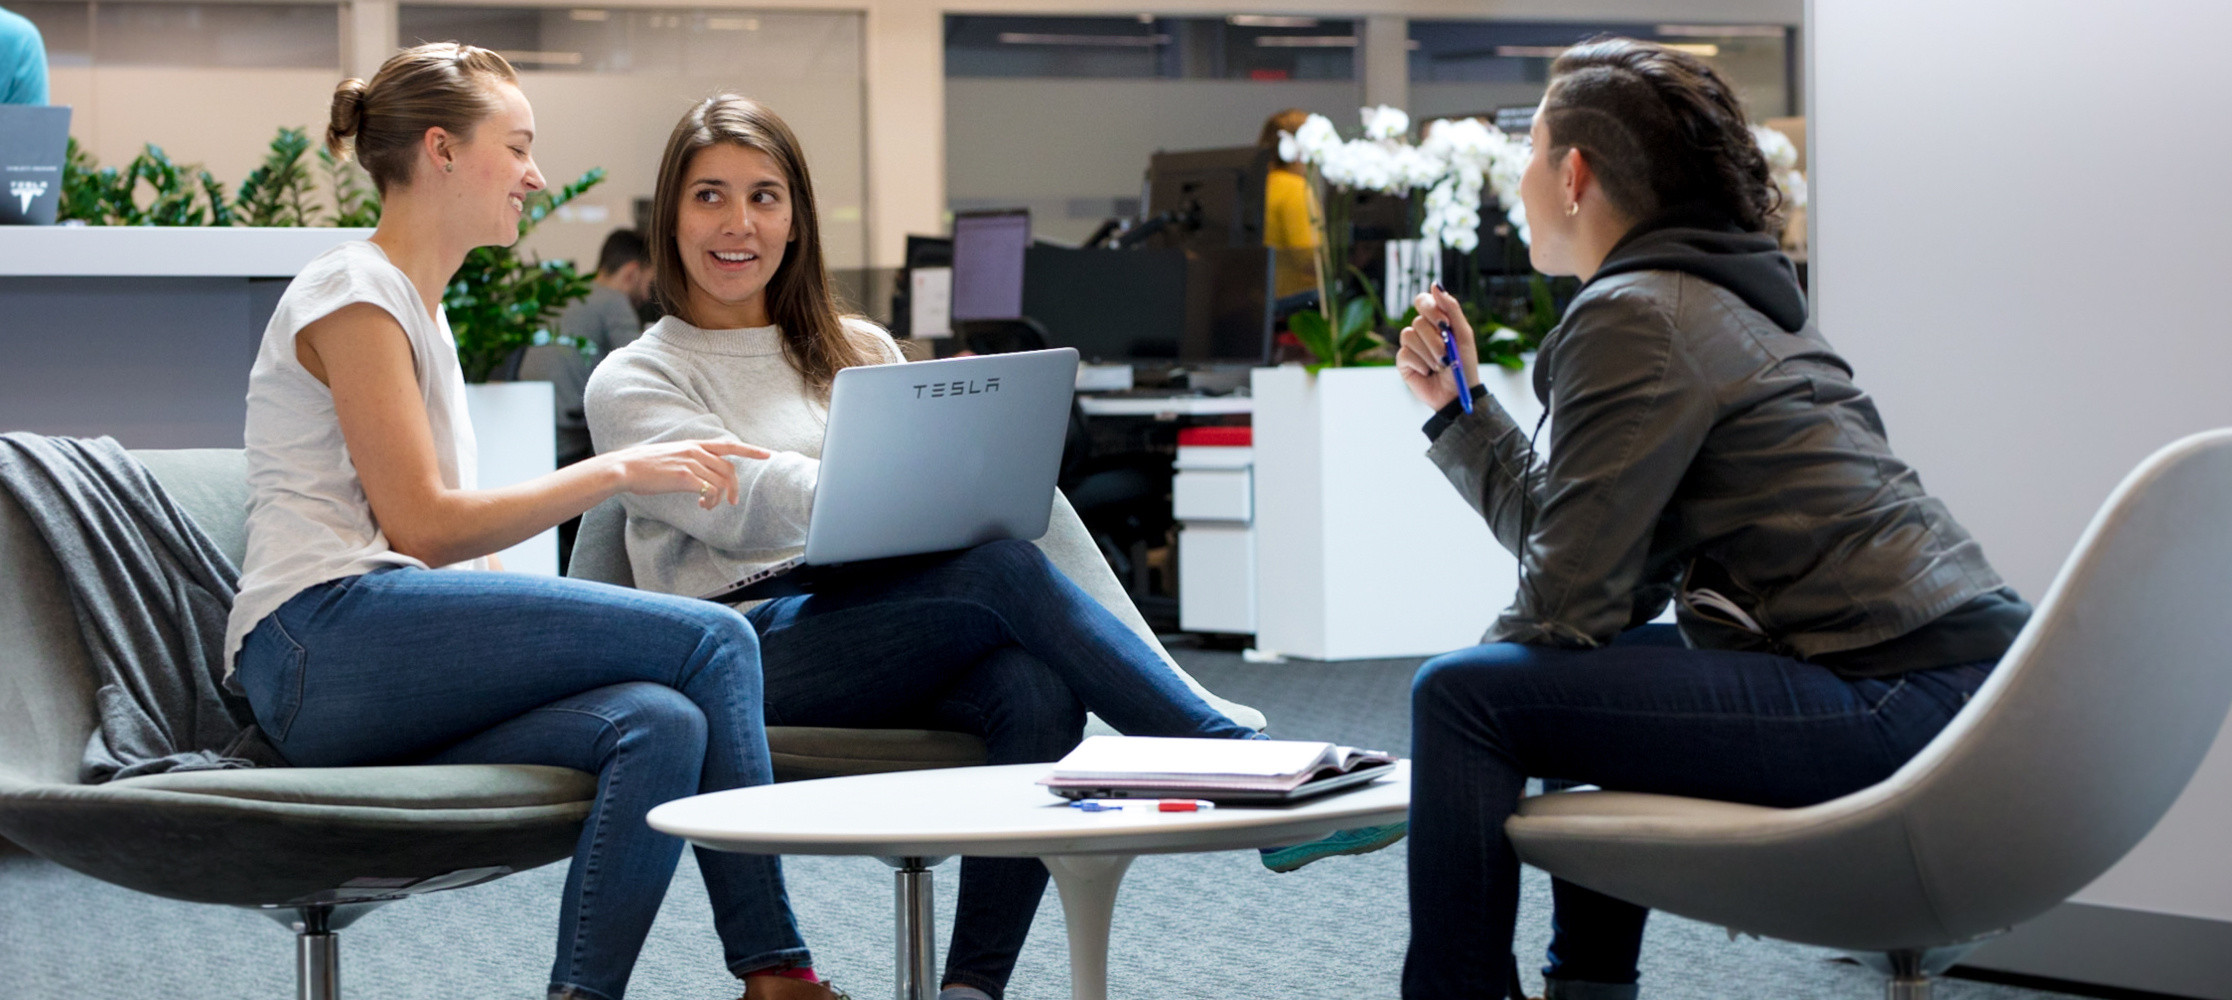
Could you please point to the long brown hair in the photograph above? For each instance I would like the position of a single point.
(441, 85)
(799, 300)
(1661, 129)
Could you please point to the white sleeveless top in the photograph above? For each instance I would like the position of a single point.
(308, 519)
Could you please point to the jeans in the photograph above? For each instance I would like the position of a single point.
(658, 696)
(1643, 714)
(995, 642)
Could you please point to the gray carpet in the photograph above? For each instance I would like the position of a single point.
(1215, 925)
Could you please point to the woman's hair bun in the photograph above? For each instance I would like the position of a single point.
(348, 115)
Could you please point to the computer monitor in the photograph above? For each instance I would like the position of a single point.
(988, 263)
(32, 141)
(1207, 198)
(1228, 306)
(1113, 306)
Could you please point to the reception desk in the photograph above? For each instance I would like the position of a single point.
(146, 334)
(141, 333)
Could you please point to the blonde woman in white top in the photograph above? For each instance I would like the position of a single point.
(367, 629)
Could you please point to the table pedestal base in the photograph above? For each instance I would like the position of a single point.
(1088, 884)
(915, 921)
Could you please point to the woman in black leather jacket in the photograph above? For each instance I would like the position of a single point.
(1706, 447)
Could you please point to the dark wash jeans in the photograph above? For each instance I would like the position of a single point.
(658, 696)
(995, 642)
(1643, 714)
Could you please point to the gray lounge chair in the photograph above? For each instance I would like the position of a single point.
(2084, 736)
(315, 848)
(600, 554)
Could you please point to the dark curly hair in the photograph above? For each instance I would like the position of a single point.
(1661, 129)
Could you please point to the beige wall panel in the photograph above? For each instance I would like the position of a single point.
(221, 118)
(621, 123)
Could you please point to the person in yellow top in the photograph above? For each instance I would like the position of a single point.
(1288, 226)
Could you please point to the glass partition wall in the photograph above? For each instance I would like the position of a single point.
(211, 83)
(1059, 114)
(608, 85)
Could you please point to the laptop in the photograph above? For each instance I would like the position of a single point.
(925, 459)
(33, 141)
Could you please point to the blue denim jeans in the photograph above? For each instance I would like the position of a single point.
(658, 696)
(1643, 714)
(995, 642)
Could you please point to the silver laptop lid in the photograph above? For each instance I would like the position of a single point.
(32, 141)
(940, 455)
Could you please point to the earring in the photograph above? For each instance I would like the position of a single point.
(1572, 209)
(451, 168)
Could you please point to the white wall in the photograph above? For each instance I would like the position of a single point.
(2020, 246)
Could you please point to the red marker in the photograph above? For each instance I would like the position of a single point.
(1183, 805)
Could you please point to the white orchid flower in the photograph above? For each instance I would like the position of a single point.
(1385, 123)
(1316, 139)
(1289, 150)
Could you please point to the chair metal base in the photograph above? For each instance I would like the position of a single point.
(1911, 973)
(318, 943)
(915, 922)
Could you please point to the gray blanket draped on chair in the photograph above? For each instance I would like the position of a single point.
(151, 592)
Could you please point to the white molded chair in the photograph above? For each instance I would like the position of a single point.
(2080, 741)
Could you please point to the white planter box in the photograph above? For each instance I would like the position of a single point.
(1363, 549)
(512, 424)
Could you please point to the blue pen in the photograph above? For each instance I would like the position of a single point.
(1456, 367)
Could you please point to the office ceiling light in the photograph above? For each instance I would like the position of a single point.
(541, 58)
(1270, 21)
(1702, 50)
(1530, 51)
(1118, 41)
(1306, 42)
(732, 24)
(591, 14)
(1720, 31)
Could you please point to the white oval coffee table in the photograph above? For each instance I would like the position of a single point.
(915, 819)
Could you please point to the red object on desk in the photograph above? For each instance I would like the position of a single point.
(1216, 437)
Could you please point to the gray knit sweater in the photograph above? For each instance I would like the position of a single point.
(683, 383)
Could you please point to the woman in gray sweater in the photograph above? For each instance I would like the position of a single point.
(994, 641)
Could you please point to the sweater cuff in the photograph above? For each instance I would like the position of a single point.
(1448, 415)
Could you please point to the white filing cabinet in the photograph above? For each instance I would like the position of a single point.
(1213, 498)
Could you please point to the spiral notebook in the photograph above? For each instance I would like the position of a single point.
(1116, 767)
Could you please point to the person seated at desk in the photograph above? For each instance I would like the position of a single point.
(1289, 219)
(1708, 447)
(605, 321)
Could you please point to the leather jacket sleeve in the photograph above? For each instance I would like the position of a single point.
(1629, 412)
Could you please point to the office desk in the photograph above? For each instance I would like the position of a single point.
(145, 333)
(1164, 407)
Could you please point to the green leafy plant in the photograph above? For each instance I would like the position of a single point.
(500, 302)
(277, 193)
(178, 194)
(355, 202)
(83, 191)
(1506, 337)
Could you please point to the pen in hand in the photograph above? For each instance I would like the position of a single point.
(1456, 366)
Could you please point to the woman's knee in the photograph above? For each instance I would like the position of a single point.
(641, 710)
(1029, 712)
(1462, 687)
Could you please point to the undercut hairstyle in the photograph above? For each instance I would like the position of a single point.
(815, 339)
(443, 85)
(1660, 129)
(622, 248)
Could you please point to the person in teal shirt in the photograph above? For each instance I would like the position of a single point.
(23, 64)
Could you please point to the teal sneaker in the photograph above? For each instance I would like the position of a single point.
(1361, 840)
